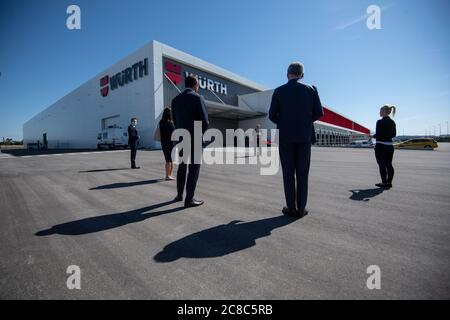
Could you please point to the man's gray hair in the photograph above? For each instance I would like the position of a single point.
(295, 68)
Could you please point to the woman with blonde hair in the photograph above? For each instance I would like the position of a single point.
(384, 147)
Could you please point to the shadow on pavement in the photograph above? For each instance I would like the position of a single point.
(126, 184)
(103, 170)
(221, 240)
(33, 152)
(107, 222)
(365, 194)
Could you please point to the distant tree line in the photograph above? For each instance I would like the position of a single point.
(443, 139)
(10, 142)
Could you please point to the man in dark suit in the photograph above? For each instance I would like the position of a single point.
(133, 141)
(294, 108)
(188, 107)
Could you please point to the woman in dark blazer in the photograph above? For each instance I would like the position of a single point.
(384, 148)
(166, 128)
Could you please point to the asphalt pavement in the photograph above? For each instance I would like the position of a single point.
(130, 241)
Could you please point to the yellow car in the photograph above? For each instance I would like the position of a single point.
(422, 143)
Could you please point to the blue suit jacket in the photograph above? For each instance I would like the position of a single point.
(188, 107)
(294, 108)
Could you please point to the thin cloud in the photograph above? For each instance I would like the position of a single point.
(352, 38)
(442, 94)
(361, 18)
(407, 119)
(439, 50)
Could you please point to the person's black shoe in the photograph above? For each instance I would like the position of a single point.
(380, 185)
(303, 213)
(388, 185)
(193, 203)
(135, 167)
(178, 198)
(290, 212)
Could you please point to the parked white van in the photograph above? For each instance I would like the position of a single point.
(361, 144)
(112, 137)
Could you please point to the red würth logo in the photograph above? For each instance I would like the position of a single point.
(104, 86)
(173, 72)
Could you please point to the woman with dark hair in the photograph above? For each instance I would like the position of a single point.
(384, 147)
(166, 128)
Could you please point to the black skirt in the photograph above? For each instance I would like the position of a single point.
(167, 150)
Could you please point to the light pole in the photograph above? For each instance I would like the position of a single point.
(439, 129)
(447, 127)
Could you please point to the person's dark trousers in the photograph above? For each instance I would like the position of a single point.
(257, 148)
(133, 155)
(192, 178)
(384, 155)
(295, 161)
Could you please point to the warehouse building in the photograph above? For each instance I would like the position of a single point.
(146, 81)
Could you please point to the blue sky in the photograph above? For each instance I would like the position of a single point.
(356, 70)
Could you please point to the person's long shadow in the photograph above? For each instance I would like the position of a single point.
(365, 194)
(221, 240)
(106, 222)
(126, 184)
(103, 170)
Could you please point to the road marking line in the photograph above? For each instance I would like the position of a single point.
(8, 156)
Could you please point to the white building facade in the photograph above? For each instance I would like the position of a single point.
(146, 81)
